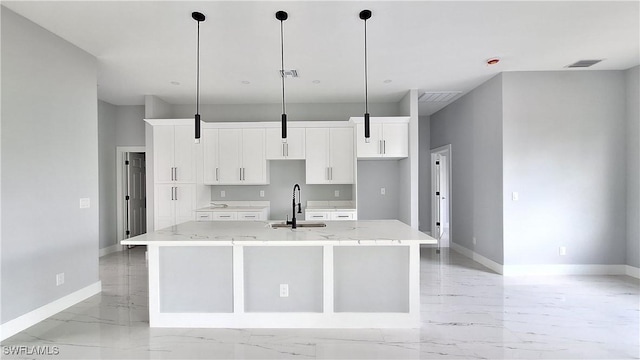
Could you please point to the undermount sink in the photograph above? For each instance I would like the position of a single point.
(300, 225)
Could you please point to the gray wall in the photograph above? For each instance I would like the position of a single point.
(129, 125)
(49, 161)
(564, 152)
(473, 127)
(107, 173)
(632, 77)
(424, 175)
(284, 174)
(408, 168)
(295, 112)
(373, 175)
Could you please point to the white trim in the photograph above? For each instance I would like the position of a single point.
(632, 271)
(548, 269)
(564, 269)
(110, 249)
(445, 149)
(31, 318)
(120, 151)
(381, 119)
(498, 268)
(250, 124)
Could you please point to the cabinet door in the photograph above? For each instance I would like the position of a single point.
(372, 149)
(185, 154)
(342, 215)
(396, 140)
(229, 147)
(184, 199)
(253, 159)
(341, 156)
(293, 149)
(210, 156)
(316, 215)
(163, 153)
(317, 154)
(164, 206)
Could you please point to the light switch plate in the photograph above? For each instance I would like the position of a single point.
(336, 193)
(284, 290)
(515, 196)
(261, 193)
(59, 279)
(383, 191)
(85, 203)
(223, 193)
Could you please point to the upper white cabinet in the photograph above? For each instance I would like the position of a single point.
(389, 138)
(174, 154)
(241, 157)
(210, 156)
(293, 149)
(329, 155)
(173, 204)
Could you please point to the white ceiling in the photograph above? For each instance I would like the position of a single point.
(144, 46)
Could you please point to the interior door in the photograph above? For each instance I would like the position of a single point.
(136, 195)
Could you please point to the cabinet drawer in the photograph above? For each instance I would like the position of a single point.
(316, 215)
(342, 215)
(250, 215)
(221, 216)
(203, 216)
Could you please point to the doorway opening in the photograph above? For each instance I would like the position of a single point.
(131, 192)
(441, 194)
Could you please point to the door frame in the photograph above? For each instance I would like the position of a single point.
(120, 181)
(446, 151)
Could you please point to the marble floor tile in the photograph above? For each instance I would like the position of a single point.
(468, 312)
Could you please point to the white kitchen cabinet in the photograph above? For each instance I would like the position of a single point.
(244, 215)
(174, 204)
(316, 215)
(387, 140)
(293, 149)
(210, 169)
(329, 155)
(326, 214)
(241, 157)
(174, 154)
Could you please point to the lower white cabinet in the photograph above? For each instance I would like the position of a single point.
(334, 215)
(173, 204)
(252, 215)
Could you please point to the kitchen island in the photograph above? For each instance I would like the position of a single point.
(238, 274)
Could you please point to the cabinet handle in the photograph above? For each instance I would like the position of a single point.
(287, 149)
(380, 146)
(225, 216)
(176, 192)
(172, 193)
(175, 171)
(283, 154)
(384, 146)
(331, 173)
(316, 216)
(217, 174)
(343, 216)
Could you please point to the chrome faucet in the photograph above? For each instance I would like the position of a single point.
(293, 207)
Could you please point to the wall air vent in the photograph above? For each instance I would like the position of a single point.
(288, 73)
(583, 63)
(438, 96)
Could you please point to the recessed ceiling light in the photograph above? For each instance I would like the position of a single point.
(388, 81)
(493, 61)
(175, 83)
(316, 81)
(246, 82)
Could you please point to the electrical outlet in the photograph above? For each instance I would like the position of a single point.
(284, 290)
(383, 191)
(85, 203)
(223, 193)
(562, 250)
(59, 279)
(261, 193)
(515, 196)
(336, 193)
(474, 240)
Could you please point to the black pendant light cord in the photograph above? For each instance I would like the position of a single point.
(366, 75)
(197, 17)
(282, 62)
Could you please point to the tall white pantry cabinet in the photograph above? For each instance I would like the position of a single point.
(174, 164)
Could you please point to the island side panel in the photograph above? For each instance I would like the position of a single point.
(196, 279)
(371, 279)
(298, 268)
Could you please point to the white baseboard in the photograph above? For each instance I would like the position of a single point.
(548, 269)
(110, 249)
(29, 319)
(498, 268)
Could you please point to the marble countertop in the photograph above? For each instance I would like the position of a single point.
(370, 232)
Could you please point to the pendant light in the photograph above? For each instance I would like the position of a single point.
(199, 17)
(282, 16)
(366, 15)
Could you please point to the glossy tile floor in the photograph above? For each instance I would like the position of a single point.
(468, 312)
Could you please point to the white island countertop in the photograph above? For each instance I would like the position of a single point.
(367, 232)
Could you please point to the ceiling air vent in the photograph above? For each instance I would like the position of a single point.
(438, 96)
(583, 63)
(288, 73)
